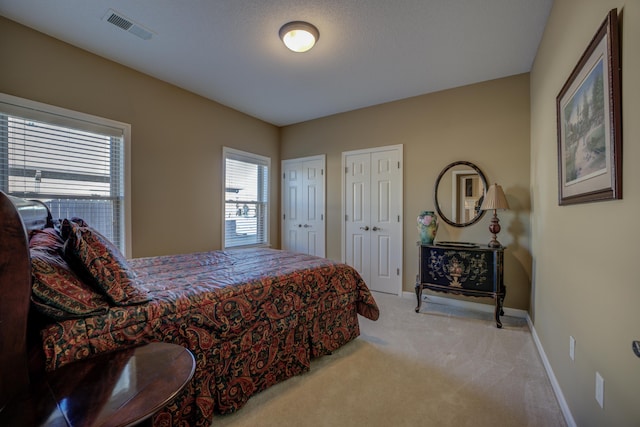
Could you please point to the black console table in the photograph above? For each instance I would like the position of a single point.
(462, 269)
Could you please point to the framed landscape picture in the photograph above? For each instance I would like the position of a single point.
(589, 122)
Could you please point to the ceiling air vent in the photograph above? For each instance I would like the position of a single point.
(121, 21)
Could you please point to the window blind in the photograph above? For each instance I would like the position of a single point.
(246, 196)
(73, 165)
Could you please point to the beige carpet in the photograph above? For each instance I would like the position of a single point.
(445, 366)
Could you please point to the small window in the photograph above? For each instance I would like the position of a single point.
(246, 195)
(71, 161)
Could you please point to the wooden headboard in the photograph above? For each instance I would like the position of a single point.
(17, 218)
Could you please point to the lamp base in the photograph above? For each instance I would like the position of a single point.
(493, 243)
(494, 228)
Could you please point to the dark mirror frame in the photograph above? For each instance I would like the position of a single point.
(435, 193)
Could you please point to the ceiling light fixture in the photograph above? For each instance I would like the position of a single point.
(299, 36)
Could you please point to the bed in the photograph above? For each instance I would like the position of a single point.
(251, 317)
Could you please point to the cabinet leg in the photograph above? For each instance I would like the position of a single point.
(418, 296)
(499, 311)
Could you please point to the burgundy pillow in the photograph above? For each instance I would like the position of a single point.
(104, 262)
(57, 291)
(50, 311)
(46, 239)
(65, 226)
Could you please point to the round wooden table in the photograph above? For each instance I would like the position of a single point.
(121, 388)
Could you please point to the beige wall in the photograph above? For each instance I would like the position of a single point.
(584, 255)
(586, 283)
(177, 137)
(486, 123)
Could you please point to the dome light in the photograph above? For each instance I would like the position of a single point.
(299, 36)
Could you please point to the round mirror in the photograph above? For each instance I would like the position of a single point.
(459, 192)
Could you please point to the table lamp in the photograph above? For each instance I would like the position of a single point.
(494, 199)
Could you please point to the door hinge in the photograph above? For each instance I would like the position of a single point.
(321, 171)
(398, 271)
(284, 216)
(398, 165)
(346, 217)
(346, 169)
(321, 217)
(398, 218)
(284, 176)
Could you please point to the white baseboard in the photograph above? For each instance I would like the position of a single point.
(485, 308)
(568, 417)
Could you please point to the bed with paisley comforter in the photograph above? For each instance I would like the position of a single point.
(251, 317)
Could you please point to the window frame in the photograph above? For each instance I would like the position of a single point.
(248, 157)
(66, 115)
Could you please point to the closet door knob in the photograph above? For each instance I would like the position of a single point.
(376, 228)
(365, 228)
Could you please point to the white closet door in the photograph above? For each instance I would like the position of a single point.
(303, 205)
(373, 216)
(386, 230)
(291, 201)
(358, 220)
(313, 230)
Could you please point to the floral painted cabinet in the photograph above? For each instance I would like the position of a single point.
(470, 270)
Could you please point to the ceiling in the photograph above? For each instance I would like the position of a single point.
(369, 52)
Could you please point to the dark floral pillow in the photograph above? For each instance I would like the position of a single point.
(46, 239)
(56, 289)
(65, 226)
(49, 311)
(104, 262)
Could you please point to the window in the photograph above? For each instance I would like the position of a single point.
(71, 161)
(246, 195)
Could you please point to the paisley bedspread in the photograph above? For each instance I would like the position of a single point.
(251, 317)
